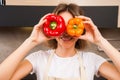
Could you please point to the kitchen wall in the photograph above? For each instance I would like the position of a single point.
(12, 37)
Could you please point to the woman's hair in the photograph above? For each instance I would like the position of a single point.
(75, 10)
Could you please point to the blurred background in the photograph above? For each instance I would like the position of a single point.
(16, 21)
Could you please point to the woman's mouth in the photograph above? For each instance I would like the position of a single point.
(66, 38)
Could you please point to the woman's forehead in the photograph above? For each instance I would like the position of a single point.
(66, 15)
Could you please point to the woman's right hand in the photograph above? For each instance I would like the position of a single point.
(37, 36)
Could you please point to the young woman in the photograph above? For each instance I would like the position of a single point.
(67, 61)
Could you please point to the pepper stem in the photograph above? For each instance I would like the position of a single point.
(53, 25)
(75, 26)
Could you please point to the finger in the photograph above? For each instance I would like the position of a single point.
(44, 17)
(42, 20)
(90, 23)
(39, 24)
(87, 20)
(82, 37)
(84, 18)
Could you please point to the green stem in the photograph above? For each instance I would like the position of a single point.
(53, 25)
(75, 26)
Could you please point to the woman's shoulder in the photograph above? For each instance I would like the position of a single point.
(90, 55)
(41, 53)
(91, 58)
(86, 53)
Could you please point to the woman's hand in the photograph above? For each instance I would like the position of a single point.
(92, 33)
(37, 36)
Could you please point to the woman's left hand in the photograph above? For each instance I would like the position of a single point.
(92, 33)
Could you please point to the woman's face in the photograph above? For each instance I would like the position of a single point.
(65, 40)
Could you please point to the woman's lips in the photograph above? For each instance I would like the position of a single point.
(66, 38)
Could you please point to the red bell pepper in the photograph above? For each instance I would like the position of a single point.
(54, 26)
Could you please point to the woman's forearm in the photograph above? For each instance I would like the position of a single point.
(112, 52)
(9, 65)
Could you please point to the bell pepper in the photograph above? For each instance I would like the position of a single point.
(75, 27)
(54, 26)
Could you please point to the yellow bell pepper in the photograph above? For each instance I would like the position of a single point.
(75, 27)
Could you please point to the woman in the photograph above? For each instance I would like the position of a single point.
(67, 61)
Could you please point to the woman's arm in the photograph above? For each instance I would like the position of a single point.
(23, 69)
(112, 52)
(10, 64)
(94, 36)
(109, 71)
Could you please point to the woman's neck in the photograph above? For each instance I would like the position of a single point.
(63, 52)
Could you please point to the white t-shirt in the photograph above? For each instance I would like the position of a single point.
(65, 67)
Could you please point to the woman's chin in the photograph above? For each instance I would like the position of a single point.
(67, 43)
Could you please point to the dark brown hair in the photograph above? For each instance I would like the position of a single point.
(75, 10)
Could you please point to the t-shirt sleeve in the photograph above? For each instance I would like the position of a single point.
(37, 59)
(94, 61)
(32, 59)
(98, 60)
